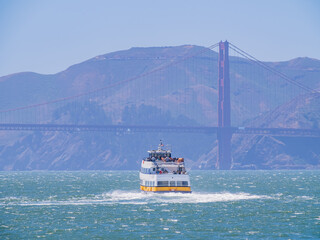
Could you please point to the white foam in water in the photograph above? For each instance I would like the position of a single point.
(128, 197)
(124, 197)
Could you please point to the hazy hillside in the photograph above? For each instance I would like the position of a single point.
(267, 152)
(135, 91)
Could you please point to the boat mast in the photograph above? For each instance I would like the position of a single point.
(160, 146)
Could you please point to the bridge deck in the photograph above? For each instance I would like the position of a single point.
(183, 129)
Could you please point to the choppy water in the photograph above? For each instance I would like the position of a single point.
(109, 205)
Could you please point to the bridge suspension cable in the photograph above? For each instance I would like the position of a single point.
(114, 84)
(275, 71)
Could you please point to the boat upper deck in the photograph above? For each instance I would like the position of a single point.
(163, 167)
(160, 162)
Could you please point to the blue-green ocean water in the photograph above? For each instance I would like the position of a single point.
(109, 205)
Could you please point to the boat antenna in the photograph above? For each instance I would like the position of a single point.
(160, 145)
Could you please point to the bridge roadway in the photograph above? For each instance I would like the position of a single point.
(178, 129)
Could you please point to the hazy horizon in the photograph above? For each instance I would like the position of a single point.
(47, 37)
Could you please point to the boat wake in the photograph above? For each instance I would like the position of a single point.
(134, 197)
(141, 197)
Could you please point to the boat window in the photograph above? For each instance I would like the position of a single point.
(146, 170)
(179, 183)
(163, 183)
(172, 183)
(184, 183)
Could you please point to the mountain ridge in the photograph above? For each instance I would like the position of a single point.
(182, 87)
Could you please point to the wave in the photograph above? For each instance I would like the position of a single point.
(133, 197)
(121, 196)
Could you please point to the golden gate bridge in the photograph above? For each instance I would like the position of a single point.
(34, 117)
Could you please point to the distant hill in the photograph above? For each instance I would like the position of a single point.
(190, 86)
(268, 152)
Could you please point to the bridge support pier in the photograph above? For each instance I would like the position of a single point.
(224, 109)
(224, 149)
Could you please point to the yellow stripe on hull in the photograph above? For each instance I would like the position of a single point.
(165, 189)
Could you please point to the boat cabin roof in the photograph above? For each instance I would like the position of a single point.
(160, 152)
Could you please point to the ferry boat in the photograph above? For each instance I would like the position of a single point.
(162, 173)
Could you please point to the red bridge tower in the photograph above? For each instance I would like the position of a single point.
(224, 109)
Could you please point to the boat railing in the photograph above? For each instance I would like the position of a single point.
(172, 161)
(172, 172)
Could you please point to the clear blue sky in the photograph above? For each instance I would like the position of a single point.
(48, 36)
